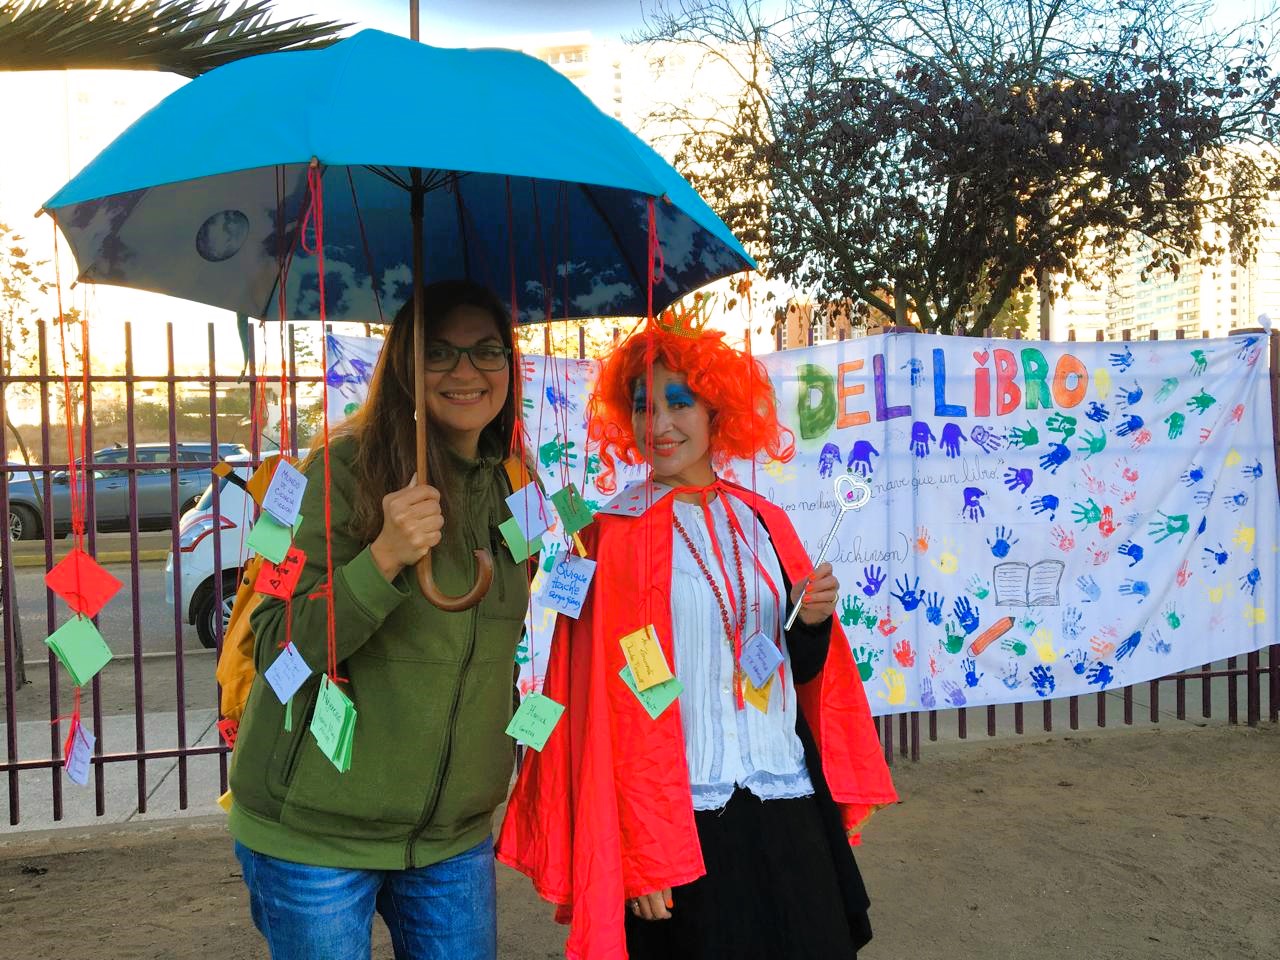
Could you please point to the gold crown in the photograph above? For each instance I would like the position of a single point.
(687, 318)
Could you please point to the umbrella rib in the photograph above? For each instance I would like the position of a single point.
(613, 232)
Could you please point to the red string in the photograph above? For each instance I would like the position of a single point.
(315, 217)
(73, 470)
(650, 353)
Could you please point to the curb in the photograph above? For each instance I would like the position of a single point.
(112, 556)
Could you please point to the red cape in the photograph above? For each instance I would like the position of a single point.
(605, 811)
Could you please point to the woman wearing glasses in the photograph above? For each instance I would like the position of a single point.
(405, 831)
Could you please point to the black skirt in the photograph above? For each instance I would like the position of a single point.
(776, 888)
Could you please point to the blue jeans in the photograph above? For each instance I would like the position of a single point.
(447, 910)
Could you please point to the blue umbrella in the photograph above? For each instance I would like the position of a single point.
(432, 164)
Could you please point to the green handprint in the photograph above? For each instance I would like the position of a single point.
(549, 560)
(954, 642)
(865, 659)
(869, 620)
(851, 611)
(1087, 512)
(522, 652)
(1024, 438)
(1176, 422)
(1017, 646)
(1202, 401)
(1163, 529)
(1092, 443)
(1166, 389)
(1061, 423)
(1172, 618)
(593, 465)
(557, 450)
(1199, 361)
(527, 403)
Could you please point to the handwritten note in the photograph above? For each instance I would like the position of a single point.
(573, 510)
(645, 658)
(567, 587)
(534, 721)
(758, 697)
(529, 510)
(635, 499)
(288, 673)
(79, 753)
(283, 498)
(657, 698)
(760, 658)
(520, 548)
(334, 724)
(280, 579)
(80, 648)
(81, 581)
(271, 538)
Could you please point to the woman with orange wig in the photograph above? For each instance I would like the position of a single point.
(712, 814)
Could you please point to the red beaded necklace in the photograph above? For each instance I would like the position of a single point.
(729, 631)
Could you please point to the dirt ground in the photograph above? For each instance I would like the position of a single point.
(1113, 845)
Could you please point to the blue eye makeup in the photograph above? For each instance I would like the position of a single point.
(679, 395)
(638, 399)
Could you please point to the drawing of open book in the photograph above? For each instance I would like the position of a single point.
(1022, 585)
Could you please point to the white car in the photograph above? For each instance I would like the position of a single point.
(198, 531)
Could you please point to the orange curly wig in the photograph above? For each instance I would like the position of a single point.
(736, 388)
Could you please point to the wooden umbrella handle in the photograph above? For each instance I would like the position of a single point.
(484, 577)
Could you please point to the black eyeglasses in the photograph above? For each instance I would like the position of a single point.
(490, 357)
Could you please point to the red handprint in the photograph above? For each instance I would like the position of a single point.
(1107, 525)
(1184, 574)
(904, 654)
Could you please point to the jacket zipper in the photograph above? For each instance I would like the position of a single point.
(442, 775)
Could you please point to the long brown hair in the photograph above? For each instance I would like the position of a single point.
(383, 427)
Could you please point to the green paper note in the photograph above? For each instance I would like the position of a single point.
(271, 538)
(520, 548)
(334, 724)
(288, 715)
(575, 513)
(534, 721)
(656, 698)
(80, 647)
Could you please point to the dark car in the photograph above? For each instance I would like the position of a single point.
(111, 489)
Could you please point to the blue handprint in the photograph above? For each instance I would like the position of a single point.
(860, 458)
(927, 700)
(561, 399)
(1130, 424)
(1010, 676)
(1249, 582)
(1133, 551)
(1097, 412)
(1159, 644)
(916, 369)
(1003, 542)
(921, 434)
(1245, 346)
(1218, 553)
(1122, 361)
(1018, 480)
(1235, 502)
(1192, 475)
(1059, 453)
(1204, 497)
(1089, 587)
(973, 508)
(1078, 659)
(933, 608)
(952, 436)
(909, 596)
(1130, 644)
(1129, 396)
(827, 459)
(1100, 674)
(1136, 588)
(874, 577)
(1072, 623)
(1252, 472)
(985, 437)
(971, 675)
(1042, 680)
(966, 613)
(1049, 504)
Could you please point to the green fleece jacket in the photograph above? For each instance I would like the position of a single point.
(432, 691)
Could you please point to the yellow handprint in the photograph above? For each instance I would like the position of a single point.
(1215, 593)
(1254, 615)
(1244, 536)
(1043, 642)
(1102, 380)
(779, 471)
(948, 562)
(895, 686)
(1233, 458)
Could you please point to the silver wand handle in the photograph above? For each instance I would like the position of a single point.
(852, 493)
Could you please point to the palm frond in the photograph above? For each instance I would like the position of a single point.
(187, 37)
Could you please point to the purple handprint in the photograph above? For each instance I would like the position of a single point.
(927, 700)
(973, 508)
(1018, 480)
(1042, 680)
(1059, 453)
(921, 435)
(966, 613)
(874, 577)
(955, 695)
(827, 459)
(986, 438)
(860, 457)
(1130, 424)
(952, 436)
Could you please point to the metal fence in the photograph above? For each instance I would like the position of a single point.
(132, 689)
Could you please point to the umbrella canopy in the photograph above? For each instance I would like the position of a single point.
(527, 185)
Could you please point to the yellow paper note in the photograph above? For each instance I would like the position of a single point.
(758, 698)
(224, 801)
(645, 658)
